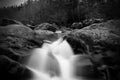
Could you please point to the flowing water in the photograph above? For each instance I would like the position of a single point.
(52, 62)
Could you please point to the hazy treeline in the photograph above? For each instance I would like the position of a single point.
(62, 12)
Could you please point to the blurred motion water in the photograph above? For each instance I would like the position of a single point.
(54, 61)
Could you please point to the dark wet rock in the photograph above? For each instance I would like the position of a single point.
(45, 35)
(16, 41)
(100, 39)
(10, 69)
(47, 26)
(5, 22)
(16, 30)
(84, 68)
(102, 42)
(77, 25)
(92, 21)
(99, 34)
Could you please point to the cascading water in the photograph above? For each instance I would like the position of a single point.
(52, 61)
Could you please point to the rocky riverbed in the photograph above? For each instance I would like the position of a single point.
(99, 41)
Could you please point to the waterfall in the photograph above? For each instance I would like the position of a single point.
(52, 62)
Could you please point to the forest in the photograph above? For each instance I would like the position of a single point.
(62, 12)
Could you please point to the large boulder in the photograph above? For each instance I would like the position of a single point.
(101, 41)
(16, 40)
(99, 34)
